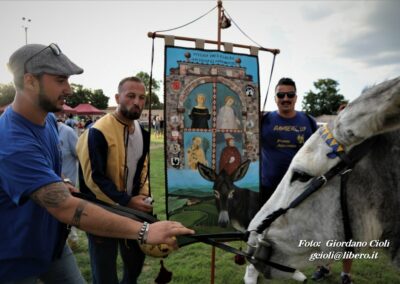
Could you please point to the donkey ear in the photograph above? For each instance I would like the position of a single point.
(206, 172)
(241, 171)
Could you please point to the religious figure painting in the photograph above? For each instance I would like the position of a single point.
(200, 114)
(230, 156)
(197, 148)
(226, 117)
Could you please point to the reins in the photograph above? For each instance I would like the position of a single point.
(204, 238)
(343, 168)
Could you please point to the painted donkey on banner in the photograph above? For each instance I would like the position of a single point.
(235, 205)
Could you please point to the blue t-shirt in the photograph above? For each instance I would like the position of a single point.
(30, 158)
(281, 138)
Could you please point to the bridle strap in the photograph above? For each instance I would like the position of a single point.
(233, 250)
(277, 213)
(344, 167)
(348, 235)
(117, 209)
(359, 152)
(141, 217)
(346, 163)
(204, 238)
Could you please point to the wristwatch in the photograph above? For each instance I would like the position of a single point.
(67, 180)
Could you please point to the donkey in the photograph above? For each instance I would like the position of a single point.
(235, 205)
(373, 188)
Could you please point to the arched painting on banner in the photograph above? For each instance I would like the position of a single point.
(212, 138)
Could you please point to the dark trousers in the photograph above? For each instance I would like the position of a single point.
(103, 260)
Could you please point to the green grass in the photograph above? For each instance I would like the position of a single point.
(192, 263)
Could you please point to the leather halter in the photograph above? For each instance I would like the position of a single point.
(343, 168)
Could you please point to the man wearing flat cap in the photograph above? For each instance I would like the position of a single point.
(35, 202)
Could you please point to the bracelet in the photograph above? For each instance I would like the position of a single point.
(142, 236)
(67, 180)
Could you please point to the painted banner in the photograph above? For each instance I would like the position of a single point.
(212, 138)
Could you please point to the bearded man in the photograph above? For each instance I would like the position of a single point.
(113, 157)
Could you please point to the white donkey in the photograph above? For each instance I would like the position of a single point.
(373, 190)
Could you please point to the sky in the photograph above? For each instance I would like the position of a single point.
(356, 43)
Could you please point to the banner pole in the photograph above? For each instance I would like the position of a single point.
(219, 48)
(212, 264)
(219, 24)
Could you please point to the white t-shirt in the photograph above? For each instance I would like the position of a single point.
(135, 151)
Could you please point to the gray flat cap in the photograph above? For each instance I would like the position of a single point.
(41, 59)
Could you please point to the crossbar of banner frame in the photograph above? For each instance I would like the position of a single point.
(154, 35)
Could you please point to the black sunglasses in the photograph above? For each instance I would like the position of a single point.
(53, 47)
(290, 95)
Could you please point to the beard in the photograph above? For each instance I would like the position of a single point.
(131, 114)
(45, 103)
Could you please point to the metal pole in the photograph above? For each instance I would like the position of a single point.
(25, 26)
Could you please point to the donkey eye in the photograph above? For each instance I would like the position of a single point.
(300, 176)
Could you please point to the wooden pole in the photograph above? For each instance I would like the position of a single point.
(219, 24)
(272, 50)
(212, 277)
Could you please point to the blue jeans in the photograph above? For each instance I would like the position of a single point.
(103, 260)
(62, 271)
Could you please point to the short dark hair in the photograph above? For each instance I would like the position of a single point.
(19, 81)
(286, 81)
(132, 78)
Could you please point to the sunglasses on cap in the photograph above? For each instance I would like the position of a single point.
(53, 47)
(290, 95)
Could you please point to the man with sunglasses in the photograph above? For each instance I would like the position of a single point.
(283, 133)
(34, 200)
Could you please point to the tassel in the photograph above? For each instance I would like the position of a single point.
(240, 259)
(164, 276)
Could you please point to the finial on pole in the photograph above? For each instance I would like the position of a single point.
(25, 26)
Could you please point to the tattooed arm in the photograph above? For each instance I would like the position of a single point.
(89, 217)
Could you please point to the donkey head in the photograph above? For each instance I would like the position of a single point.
(319, 218)
(223, 188)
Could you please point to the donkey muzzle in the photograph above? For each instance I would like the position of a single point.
(223, 219)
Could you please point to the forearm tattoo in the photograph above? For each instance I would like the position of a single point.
(76, 220)
(51, 195)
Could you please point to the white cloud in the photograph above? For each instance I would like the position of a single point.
(379, 41)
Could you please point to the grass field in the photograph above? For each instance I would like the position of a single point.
(192, 263)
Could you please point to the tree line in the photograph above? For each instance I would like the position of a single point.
(325, 99)
(96, 97)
